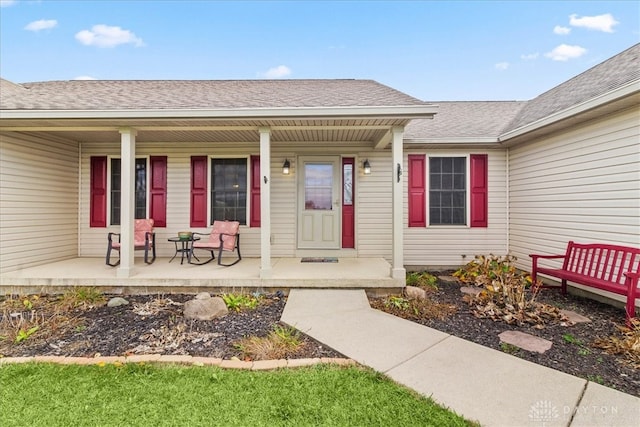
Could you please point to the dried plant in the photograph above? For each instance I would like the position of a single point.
(280, 343)
(508, 294)
(626, 343)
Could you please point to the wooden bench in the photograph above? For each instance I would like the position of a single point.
(611, 268)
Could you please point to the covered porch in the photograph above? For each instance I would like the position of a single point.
(163, 276)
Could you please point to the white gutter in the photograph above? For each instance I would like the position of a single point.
(621, 92)
(402, 111)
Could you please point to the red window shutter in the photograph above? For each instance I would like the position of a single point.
(98, 192)
(158, 204)
(479, 190)
(254, 220)
(199, 191)
(417, 191)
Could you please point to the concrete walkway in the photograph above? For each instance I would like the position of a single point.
(477, 382)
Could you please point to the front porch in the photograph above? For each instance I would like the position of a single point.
(371, 274)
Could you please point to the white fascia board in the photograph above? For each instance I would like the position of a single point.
(453, 140)
(402, 111)
(621, 92)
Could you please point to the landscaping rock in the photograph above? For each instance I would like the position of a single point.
(413, 292)
(117, 302)
(575, 317)
(525, 341)
(205, 309)
(470, 290)
(203, 295)
(450, 279)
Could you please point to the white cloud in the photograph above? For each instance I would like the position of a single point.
(565, 52)
(277, 72)
(529, 56)
(84, 78)
(502, 66)
(43, 24)
(107, 36)
(7, 3)
(603, 23)
(558, 29)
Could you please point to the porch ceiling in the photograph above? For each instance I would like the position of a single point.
(173, 130)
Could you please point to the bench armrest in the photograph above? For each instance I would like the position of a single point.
(534, 265)
(111, 234)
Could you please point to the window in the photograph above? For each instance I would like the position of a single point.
(140, 208)
(447, 191)
(450, 202)
(229, 190)
(150, 190)
(222, 192)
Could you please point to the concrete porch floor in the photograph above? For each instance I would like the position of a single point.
(371, 274)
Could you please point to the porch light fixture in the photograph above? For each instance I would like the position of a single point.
(367, 167)
(286, 167)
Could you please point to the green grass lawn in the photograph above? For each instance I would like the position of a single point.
(155, 395)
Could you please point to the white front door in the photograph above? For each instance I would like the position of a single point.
(319, 202)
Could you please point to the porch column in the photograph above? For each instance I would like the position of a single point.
(127, 204)
(397, 269)
(265, 203)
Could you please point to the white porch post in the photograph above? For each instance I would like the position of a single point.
(127, 204)
(265, 203)
(397, 269)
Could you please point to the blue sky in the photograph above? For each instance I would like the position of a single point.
(433, 50)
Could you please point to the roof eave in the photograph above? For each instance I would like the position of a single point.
(402, 111)
(471, 140)
(623, 91)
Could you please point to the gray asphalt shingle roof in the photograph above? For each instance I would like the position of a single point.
(604, 77)
(200, 94)
(465, 119)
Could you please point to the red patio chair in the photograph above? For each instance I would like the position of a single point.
(224, 236)
(143, 238)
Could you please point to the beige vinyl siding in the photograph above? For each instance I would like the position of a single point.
(582, 184)
(374, 202)
(374, 225)
(456, 245)
(38, 201)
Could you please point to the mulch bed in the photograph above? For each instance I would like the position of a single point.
(572, 350)
(155, 324)
(158, 327)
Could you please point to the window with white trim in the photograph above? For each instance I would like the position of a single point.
(140, 209)
(229, 189)
(447, 191)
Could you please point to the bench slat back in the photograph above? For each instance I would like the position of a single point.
(605, 262)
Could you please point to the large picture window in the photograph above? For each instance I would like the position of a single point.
(229, 190)
(447, 191)
(140, 208)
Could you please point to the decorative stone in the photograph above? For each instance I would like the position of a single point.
(117, 302)
(205, 309)
(525, 341)
(470, 290)
(575, 317)
(450, 279)
(413, 292)
(203, 295)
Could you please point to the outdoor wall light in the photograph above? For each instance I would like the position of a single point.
(367, 167)
(286, 167)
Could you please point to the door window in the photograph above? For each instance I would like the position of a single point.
(318, 186)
